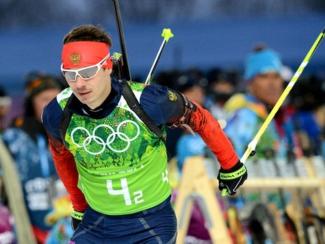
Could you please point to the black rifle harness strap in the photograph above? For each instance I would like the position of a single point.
(132, 103)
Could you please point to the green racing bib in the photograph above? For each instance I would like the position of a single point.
(122, 165)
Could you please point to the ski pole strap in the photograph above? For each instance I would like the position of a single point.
(233, 175)
(135, 106)
(77, 215)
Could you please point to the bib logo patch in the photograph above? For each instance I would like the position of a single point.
(172, 96)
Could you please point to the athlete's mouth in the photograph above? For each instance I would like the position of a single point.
(84, 93)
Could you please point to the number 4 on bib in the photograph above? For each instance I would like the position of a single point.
(124, 191)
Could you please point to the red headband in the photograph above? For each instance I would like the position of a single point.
(80, 54)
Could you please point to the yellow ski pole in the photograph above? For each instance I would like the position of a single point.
(252, 145)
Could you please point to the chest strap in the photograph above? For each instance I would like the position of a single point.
(136, 108)
(66, 117)
(132, 103)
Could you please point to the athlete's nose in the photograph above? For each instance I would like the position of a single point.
(80, 83)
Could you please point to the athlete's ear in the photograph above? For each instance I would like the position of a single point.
(109, 71)
(108, 64)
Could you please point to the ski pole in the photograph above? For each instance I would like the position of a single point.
(166, 34)
(250, 151)
(252, 145)
(125, 67)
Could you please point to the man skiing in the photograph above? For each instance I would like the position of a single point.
(111, 162)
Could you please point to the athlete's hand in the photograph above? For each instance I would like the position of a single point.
(76, 218)
(231, 179)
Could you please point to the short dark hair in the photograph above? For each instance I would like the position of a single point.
(87, 33)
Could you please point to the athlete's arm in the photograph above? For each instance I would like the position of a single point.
(66, 169)
(63, 159)
(203, 123)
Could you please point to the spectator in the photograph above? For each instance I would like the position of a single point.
(308, 99)
(194, 88)
(7, 234)
(5, 103)
(264, 86)
(221, 87)
(27, 142)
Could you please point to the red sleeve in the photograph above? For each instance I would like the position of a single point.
(203, 123)
(67, 171)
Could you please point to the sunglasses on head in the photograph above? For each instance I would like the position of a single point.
(84, 73)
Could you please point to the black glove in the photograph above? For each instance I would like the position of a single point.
(76, 218)
(231, 179)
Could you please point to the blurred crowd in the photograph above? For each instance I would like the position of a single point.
(45, 198)
(240, 102)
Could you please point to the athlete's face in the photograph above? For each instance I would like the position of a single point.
(94, 91)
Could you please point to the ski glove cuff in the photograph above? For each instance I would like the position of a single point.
(76, 219)
(231, 179)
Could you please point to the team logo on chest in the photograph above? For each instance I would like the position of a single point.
(104, 136)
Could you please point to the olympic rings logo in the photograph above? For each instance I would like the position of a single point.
(93, 138)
